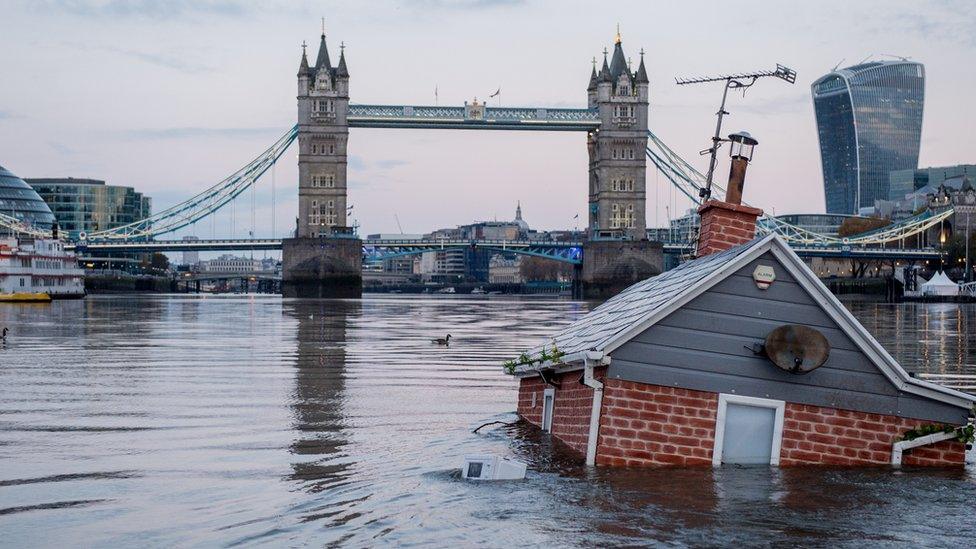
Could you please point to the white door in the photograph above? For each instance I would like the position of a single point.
(748, 430)
(548, 399)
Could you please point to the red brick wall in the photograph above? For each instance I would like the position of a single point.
(571, 407)
(725, 225)
(654, 425)
(816, 435)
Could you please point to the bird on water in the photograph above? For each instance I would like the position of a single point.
(442, 340)
(3, 335)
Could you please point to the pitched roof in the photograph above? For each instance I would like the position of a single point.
(618, 64)
(631, 312)
(599, 328)
(323, 59)
(593, 79)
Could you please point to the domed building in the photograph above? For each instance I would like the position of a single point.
(20, 201)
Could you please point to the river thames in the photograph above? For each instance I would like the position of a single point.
(212, 420)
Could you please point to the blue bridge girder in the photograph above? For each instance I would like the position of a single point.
(495, 118)
(566, 252)
(569, 252)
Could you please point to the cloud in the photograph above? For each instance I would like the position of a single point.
(61, 148)
(390, 164)
(144, 9)
(6, 115)
(786, 104)
(197, 132)
(174, 62)
(355, 162)
(469, 4)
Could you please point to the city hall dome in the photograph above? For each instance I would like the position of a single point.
(19, 200)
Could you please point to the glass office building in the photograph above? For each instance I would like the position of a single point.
(869, 122)
(20, 201)
(89, 205)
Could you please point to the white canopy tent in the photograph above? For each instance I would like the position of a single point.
(940, 285)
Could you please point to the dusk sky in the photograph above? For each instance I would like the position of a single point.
(171, 96)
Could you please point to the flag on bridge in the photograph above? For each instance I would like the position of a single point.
(498, 91)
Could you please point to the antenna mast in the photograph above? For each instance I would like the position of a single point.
(732, 81)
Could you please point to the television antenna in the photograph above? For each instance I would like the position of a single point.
(737, 81)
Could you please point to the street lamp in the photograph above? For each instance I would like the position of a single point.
(743, 146)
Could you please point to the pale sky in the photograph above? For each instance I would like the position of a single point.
(171, 96)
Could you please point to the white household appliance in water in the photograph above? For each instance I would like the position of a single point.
(491, 467)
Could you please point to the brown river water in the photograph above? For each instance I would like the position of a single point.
(241, 420)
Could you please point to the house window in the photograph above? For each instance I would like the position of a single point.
(614, 154)
(614, 184)
(548, 403)
(748, 430)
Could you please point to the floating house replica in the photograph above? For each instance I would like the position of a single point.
(681, 369)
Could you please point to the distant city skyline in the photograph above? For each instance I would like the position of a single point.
(172, 96)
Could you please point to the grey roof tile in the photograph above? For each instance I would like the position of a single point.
(636, 303)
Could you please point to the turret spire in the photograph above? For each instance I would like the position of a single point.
(593, 78)
(342, 71)
(616, 39)
(618, 64)
(303, 67)
(605, 70)
(323, 59)
(641, 76)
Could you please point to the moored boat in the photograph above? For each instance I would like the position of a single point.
(38, 270)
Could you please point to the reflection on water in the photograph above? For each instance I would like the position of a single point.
(924, 337)
(203, 420)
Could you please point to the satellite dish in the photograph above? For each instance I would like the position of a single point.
(797, 349)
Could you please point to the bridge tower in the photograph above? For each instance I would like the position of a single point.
(323, 134)
(324, 259)
(617, 198)
(617, 253)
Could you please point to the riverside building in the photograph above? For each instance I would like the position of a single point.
(20, 201)
(89, 205)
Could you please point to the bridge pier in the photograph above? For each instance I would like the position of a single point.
(325, 267)
(609, 266)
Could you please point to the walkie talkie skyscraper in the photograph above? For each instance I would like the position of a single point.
(869, 122)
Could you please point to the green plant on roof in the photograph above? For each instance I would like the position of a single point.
(555, 356)
(964, 434)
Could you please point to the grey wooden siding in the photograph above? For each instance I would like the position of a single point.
(706, 345)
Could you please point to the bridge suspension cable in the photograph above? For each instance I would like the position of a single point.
(689, 181)
(18, 226)
(203, 204)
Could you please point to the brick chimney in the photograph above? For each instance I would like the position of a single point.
(725, 225)
(728, 224)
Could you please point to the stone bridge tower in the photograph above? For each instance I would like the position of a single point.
(323, 134)
(324, 259)
(617, 252)
(618, 163)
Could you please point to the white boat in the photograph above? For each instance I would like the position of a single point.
(448, 290)
(479, 290)
(39, 267)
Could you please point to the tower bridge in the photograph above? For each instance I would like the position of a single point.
(614, 123)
